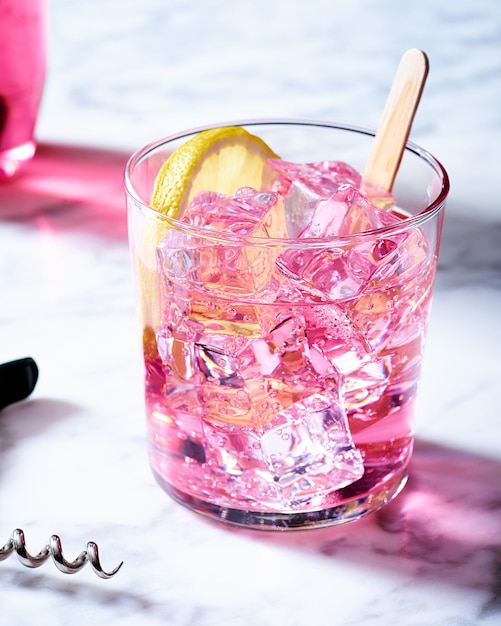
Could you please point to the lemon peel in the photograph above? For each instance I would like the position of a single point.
(219, 159)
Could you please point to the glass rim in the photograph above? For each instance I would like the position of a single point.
(413, 221)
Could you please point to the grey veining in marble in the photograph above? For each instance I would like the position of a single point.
(73, 457)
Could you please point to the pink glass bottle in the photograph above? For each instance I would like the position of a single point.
(22, 73)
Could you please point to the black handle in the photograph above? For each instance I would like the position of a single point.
(17, 380)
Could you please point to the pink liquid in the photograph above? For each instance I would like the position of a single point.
(297, 406)
(22, 63)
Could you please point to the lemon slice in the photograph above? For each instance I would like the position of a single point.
(219, 159)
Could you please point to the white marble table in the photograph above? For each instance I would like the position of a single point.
(73, 457)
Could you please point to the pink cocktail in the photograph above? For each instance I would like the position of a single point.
(282, 372)
(22, 73)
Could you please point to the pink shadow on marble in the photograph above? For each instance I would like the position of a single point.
(69, 187)
(445, 526)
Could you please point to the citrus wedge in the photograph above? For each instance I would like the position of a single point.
(219, 159)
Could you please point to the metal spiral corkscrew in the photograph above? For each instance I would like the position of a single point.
(17, 381)
(54, 549)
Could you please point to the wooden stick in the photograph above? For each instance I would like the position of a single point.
(396, 121)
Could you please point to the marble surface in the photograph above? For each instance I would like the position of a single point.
(73, 457)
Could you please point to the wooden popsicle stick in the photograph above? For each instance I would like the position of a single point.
(396, 121)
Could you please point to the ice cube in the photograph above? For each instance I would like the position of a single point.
(321, 178)
(235, 456)
(310, 452)
(340, 271)
(299, 365)
(240, 388)
(306, 453)
(398, 292)
(304, 186)
(327, 273)
(248, 384)
(347, 211)
(235, 266)
(242, 214)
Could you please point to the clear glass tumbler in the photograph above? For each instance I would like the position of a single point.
(23, 51)
(281, 375)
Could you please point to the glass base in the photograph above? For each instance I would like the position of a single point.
(331, 515)
(13, 159)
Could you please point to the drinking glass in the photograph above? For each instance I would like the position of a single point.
(281, 375)
(22, 74)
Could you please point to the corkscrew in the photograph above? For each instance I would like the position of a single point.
(17, 381)
(53, 549)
